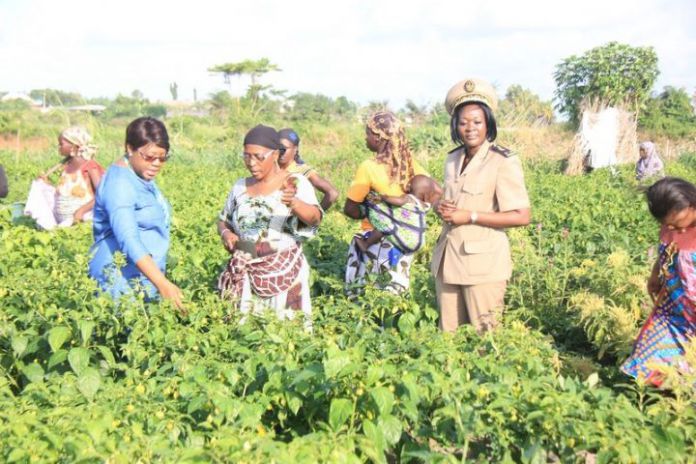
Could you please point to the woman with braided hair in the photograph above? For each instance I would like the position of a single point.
(388, 173)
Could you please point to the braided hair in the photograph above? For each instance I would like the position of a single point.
(396, 154)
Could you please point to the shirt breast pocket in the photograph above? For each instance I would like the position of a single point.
(149, 213)
(477, 195)
(472, 189)
(479, 256)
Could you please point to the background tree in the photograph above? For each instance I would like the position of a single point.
(522, 107)
(377, 105)
(54, 97)
(614, 75)
(318, 107)
(174, 90)
(417, 113)
(134, 106)
(669, 113)
(252, 68)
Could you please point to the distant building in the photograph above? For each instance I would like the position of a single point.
(94, 109)
(10, 96)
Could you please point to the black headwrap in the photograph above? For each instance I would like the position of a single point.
(289, 134)
(264, 136)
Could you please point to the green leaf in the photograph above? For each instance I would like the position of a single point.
(198, 403)
(383, 398)
(16, 455)
(391, 428)
(250, 415)
(78, 359)
(57, 358)
(107, 355)
(57, 336)
(294, 403)
(533, 454)
(337, 360)
(339, 412)
(88, 382)
(34, 372)
(374, 434)
(374, 374)
(19, 344)
(592, 380)
(86, 328)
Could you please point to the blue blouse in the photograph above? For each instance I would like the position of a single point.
(132, 217)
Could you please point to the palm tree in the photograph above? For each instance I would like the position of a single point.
(252, 68)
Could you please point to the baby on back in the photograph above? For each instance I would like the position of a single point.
(401, 218)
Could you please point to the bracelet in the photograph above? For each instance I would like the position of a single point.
(474, 217)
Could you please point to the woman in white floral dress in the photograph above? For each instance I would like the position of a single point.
(265, 220)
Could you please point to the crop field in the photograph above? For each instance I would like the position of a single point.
(85, 379)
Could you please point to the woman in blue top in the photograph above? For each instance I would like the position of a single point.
(132, 217)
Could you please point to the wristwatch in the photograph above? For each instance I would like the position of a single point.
(474, 217)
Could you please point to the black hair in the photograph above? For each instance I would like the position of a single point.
(670, 194)
(146, 130)
(491, 125)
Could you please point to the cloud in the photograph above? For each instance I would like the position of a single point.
(388, 50)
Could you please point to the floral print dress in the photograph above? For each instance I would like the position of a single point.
(270, 239)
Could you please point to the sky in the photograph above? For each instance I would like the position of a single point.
(366, 50)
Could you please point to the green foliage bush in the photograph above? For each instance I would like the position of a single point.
(521, 107)
(612, 74)
(317, 107)
(134, 106)
(55, 97)
(669, 113)
(85, 379)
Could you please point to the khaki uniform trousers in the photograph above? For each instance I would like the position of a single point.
(480, 305)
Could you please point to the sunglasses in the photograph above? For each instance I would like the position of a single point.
(260, 157)
(152, 159)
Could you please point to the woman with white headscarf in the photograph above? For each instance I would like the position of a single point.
(72, 199)
(649, 164)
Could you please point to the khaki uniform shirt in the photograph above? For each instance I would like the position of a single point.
(493, 181)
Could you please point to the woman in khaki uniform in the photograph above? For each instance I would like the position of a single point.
(484, 194)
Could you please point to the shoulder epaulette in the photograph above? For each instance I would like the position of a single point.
(455, 149)
(506, 152)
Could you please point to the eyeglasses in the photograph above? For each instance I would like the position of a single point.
(260, 157)
(152, 159)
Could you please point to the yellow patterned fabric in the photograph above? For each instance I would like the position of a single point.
(79, 137)
(303, 169)
(372, 175)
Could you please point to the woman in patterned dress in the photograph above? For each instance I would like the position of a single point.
(72, 199)
(265, 219)
(672, 284)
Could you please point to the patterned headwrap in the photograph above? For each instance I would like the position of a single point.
(651, 165)
(79, 137)
(396, 154)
